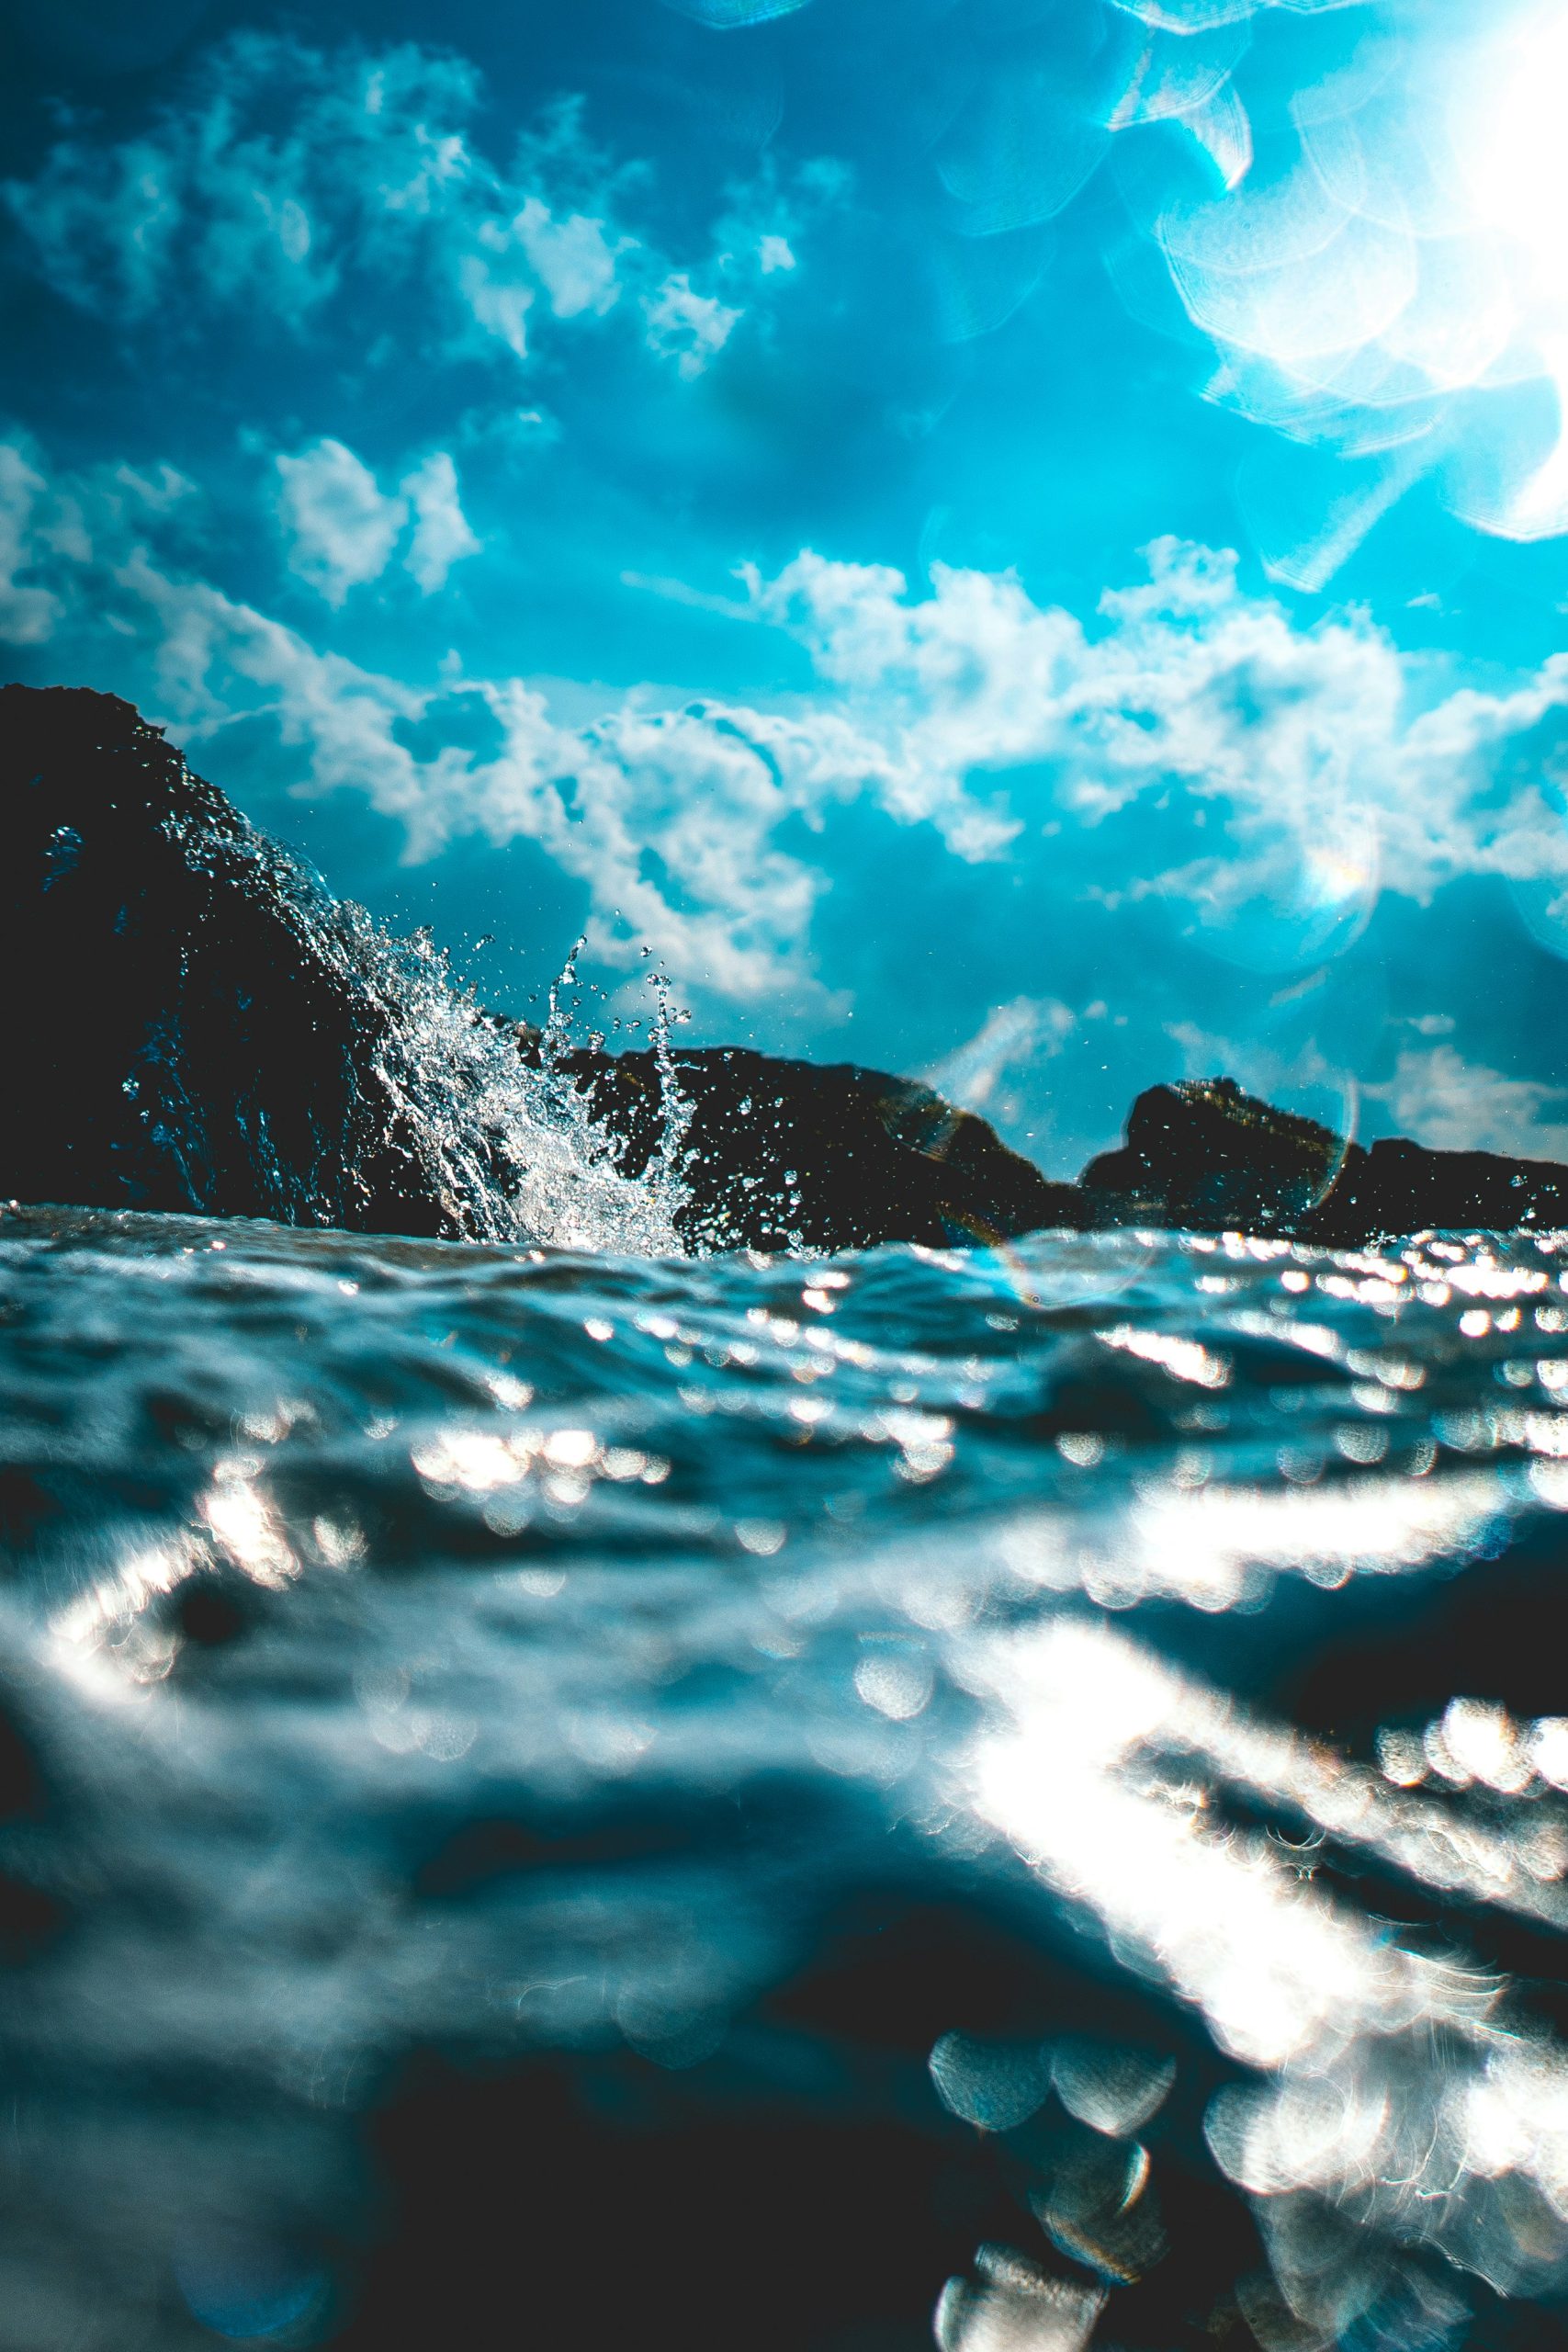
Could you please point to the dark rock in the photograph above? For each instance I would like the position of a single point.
(779, 1153)
(196, 1026)
(186, 1030)
(1401, 1187)
(1204, 1155)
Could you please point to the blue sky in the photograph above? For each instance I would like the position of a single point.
(1017, 539)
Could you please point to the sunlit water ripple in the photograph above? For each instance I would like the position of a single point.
(783, 1802)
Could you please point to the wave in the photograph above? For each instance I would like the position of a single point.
(723, 1795)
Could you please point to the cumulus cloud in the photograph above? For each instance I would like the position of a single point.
(574, 260)
(687, 326)
(292, 174)
(441, 533)
(340, 527)
(1308, 749)
(1235, 756)
(1439, 1098)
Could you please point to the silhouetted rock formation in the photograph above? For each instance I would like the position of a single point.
(1203, 1154)
(184, 1030)
(194, 1025)
(1396, 1186)
(781, 1153)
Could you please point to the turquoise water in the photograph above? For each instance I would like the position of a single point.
(781, 1802)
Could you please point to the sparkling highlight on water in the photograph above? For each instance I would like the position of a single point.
(521, 1715)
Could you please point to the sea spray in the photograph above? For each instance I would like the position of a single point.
(208, 1030)
(512, 1146)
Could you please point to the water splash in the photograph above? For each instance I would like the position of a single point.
(518, 1153)
(506, 1146)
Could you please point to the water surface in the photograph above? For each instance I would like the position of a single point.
(553, 1798)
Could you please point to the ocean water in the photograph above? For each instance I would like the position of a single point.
(568, 1799)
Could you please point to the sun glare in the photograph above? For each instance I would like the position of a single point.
(1513, 143)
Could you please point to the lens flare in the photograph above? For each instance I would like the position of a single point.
(1511, 148)
(1390, 284)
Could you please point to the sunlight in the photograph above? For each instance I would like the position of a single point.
(1508, 120)
(1511, 144)
(1385, 2080)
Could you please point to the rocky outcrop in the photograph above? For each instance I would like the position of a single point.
(1206, 1156)
(194, 1024)
(185, 1027)
(780, 1154)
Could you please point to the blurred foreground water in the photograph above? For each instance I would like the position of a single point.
(559, 1800)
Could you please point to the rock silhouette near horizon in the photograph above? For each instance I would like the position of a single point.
(186, 1032)
(205, 1031)
(780, 1153)
(197, 1027)
(1205, 1154)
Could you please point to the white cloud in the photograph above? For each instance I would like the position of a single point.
(1439, 1098)
(574, 259)
(689, 327)
(498, 301)
(1011, 730)
(1301, 742)
(340, 527)
(1013, 1038)
(254, 194)
(441, 533)
(293, 170)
